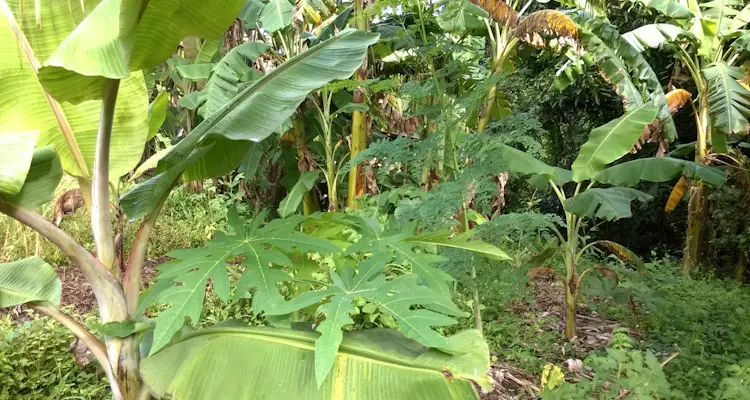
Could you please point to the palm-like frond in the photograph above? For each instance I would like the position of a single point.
(499, 11)
(543, 24)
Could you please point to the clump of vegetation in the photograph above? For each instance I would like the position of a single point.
(284, 190)
(38, 361)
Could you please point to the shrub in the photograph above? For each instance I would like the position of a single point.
(36, 363)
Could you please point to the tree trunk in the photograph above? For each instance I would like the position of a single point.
(698, 201)
(570, 305)
(741, 266)
(359, 119)
(696, 216)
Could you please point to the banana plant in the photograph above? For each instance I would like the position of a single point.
(506, 28)
(713, 62)
(710, 41)
(588, 200)
(89, 66)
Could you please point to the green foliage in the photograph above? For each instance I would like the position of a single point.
(270, 253)
(705, 320)
(736, 386)
(622, 372)
(27, 280)
(402, 365)
(36, 363)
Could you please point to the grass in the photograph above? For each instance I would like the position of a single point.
(188, 220)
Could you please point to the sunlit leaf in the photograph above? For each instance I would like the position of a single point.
(30, 279)
(396, 368)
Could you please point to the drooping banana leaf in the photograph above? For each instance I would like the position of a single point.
(280, 364)
(654, 36)
(42, 178)
(225, 79)
(623, 253)
(16, 151)
(30, 279)
(611, 141)
(70, 128)
(659, 169)
(293, 199)
(626, 68)
(446, 239)
(609, 204)
(252, 115)
(157, 114)
(728, 100)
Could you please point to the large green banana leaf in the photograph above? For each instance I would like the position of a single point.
(728, 100)
(120, 36)
(611, 141)
(252, 115)
(660, 169)
(669, 8)
(31, 110)
(276, 15)
(30, 279)
(609, 204)
(740, 20)
(241, 363)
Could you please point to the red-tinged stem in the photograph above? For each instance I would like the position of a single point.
(132, 279)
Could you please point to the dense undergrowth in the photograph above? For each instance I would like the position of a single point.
(458, 132)
(703, 320)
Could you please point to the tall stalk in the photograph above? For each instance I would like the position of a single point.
(359, 118)
(698, 200)
(101, 220)
(503, 46)
(310, 199)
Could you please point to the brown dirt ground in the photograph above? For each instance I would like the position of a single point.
(549, 295)
(77, 293)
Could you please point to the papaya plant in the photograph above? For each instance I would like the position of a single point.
(89, 66)
(355, 264)
(586, 199)
(363, 268)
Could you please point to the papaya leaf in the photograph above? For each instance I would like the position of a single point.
(182, 284)
(395, 298)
